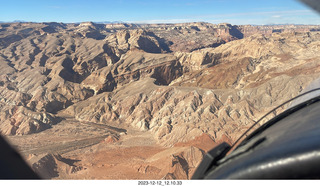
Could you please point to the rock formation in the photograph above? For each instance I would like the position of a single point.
(52, 165)
(130, 86)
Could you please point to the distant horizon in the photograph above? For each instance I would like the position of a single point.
(121, 22)
(235, 12)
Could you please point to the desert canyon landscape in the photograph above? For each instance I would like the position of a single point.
(143, 101)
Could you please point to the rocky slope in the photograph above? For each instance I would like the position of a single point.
(173, 90)
(235, 86)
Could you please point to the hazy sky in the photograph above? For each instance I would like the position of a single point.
(160, 11)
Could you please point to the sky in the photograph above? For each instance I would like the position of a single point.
(237, 12)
